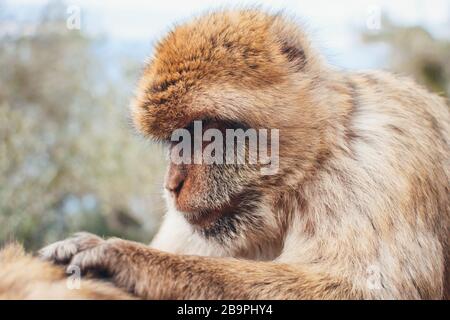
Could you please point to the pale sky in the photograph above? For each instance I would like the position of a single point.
(334, 25)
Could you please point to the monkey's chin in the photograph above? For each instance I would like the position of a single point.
(207, 217)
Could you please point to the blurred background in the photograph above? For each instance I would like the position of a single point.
(69, 159)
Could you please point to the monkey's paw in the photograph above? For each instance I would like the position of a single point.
(98, 257)
(63, 251)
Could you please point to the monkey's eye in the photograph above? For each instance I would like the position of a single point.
(204, 124)
(236, 125)
(216, 123)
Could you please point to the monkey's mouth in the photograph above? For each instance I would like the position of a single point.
(242, 202)
(204, 218)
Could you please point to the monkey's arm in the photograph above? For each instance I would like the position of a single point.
(153, 274)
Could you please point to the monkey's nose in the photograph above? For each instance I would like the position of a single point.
(175, 180)
(175, 188)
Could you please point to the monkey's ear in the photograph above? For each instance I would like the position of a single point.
(295, 55)
(292, 42)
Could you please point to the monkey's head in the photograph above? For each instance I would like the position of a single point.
(231, 70)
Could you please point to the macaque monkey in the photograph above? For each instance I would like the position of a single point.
(358, 208)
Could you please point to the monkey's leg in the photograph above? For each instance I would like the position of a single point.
(154, 274)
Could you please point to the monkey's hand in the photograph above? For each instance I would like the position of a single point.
(94, 255)
(62, 252)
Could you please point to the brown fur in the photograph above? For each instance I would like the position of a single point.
(25, 277)
(360, 207)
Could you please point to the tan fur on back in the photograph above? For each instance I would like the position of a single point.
(25, 277)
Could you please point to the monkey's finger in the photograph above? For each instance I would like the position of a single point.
(63, 251)
(86, 240)
(91, 260)
(59, 252)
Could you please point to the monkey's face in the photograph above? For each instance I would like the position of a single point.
(214, 187)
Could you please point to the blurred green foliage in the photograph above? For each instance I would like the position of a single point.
(415, 52)
(68, 158)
